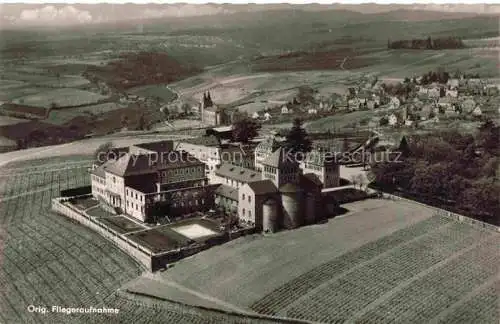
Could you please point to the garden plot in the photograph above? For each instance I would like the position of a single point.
(154, 91)
(61, 98)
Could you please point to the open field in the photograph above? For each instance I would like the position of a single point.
(61, 98)
(154, 91)
(61, 116)
(358, 267)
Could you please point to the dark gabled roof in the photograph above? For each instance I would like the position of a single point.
(130, 165)
(227, 191)
(210, 140)
(237, 173)
(158, 147)
(145, 187)
(263, 187)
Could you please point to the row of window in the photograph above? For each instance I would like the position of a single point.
(244, 213)
(249, 198)
(190, 203)
(233, 182)
(130, 193)
(183, 171)
(98, 180)
(136, 206)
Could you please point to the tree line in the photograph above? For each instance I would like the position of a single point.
(450, 170)
(427, 44)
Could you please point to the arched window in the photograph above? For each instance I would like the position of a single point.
(244, 210)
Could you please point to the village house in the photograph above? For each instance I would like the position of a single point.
(394, 102)
(284, 109)
(477, 112)
(267, 116)
(312, 111)
(468, 105)
(393, 120)
(451, 93)
(255, 115)
(453, 84)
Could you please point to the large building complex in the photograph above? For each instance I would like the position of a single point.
(153, 180)
(268, 189)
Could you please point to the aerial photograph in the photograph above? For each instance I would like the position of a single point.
(213, 163)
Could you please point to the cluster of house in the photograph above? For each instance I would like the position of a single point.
(456, 98)
(264, 186)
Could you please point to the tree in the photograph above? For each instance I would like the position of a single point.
(404, 148)
(297, 140)
(141, 123)
(245, 129)
(124, 121)
(102, 150)
(384, 121)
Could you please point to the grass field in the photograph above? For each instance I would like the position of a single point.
(61, 116)
(152, 91)
(62, 98)
(378, 262)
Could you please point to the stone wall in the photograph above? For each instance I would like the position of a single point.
(446, 213)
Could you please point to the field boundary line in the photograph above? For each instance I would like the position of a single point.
(420, 275)
(24, 194)
(360, 265)
(126, 294)
(197, 294)
(485, 285)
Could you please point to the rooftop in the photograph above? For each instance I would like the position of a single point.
(237, 173)
(227, 191)
(158, 147)
(131, 164)
(263, 187)
(209, 140)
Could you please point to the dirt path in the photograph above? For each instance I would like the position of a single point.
(198, 294)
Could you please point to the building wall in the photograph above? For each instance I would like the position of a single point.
(215, 178)
(246, 205)
(98, 187)
(181, 174)
(209, 155)
(135, 203)
(115, 185)
(229, 205)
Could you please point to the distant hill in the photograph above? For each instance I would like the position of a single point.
(23, 15)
